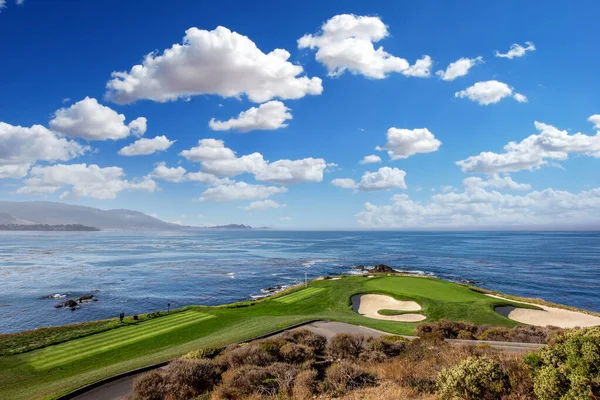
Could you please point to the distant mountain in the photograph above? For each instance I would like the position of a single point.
(50, 213)
(230, 226)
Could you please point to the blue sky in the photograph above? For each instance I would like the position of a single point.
(441, 136)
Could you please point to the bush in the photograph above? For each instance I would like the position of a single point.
(344, 346)
(285, 375)
(345, 376)
(272, 346)
(307, 338)
(149, 386)
(296, 353)
(247, 380)
(248, 354)
(385, 346)
(305, 384)
(444, 328)
(208, 353)
(473, 379)
(465, 335)
(568, 368)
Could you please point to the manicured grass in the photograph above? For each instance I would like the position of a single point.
(56, 369)
(299, 295)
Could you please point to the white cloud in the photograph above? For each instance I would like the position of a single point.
(344, 183)
(489, 92)
(88, 119)
(84, 181)
(240, 191)
(263, 205)
(403, 143)
(210, 179)
(216, 159)
(478, 207)
(268, 116)
(534, 151)
(345, 43)
(494, 181)
(385, 178)
(176, 174)
(286, 218)
(371, 159)
(217, 62)
(595, 119)
(22, 146)
(516, 50)
(144, 146)
(459, 68)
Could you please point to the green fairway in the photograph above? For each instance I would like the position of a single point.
(56, 369)
(299, 295)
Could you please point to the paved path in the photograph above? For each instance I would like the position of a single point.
(122, 388)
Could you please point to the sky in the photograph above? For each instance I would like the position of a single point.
(311, 115)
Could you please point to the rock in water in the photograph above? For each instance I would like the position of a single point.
(382, 269)
(360, 268)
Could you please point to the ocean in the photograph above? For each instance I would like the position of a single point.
(138, 272)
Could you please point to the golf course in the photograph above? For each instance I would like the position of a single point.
(65, 361)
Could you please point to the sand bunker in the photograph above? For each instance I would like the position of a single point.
(368, 305)
(546, 316)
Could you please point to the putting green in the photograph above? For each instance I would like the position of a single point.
(299, 295)
(68, 352)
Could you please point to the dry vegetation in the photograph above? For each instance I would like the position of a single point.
(301, 365)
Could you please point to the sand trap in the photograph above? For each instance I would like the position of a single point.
(547, 316)
(368, 305)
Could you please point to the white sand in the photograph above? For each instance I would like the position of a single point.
(547, 315)
(368, 305)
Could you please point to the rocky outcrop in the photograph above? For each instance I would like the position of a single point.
(74, 304)
(382, 269)
(360, 268)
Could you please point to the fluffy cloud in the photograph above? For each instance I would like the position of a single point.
(383, 179)
(403, 143)
(22, 146)
(534, 151)
(217, 62)
(143, 147)
(216, 159)
(210, 179)
(240, 191)
(268, 116)
(516, 50)
(494, 181)
(371, 159)
(459, 68)
(595, 119)
(168, 174)
(263, 205)
(84, 181)
(489, 92)
(344, 183)
(346, 43)
(483, 208)
(90, 120)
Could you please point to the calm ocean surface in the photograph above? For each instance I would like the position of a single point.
(137, 272)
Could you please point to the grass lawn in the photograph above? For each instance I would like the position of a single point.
(56, 369)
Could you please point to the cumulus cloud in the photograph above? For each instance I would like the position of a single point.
(218, 62)
(494, 181)
(240, 191)
(143, 147)
(403, 143)
(216, 159)
(595, 119)
(20, 147)
(484, 208)
(383, 179)
(516, 50)
(90, 120)
(371, 159)
(210, 179)
(263, 205)
(268, 116)
(459, 68)
(489, 92)
(176, 174)
(83, 180)
(534, 151)
(346, 43)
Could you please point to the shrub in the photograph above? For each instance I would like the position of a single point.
(247, 380)
(568, 368)
(307, 338)
(272, 346)
(305, 384)
(385, 346)
(344, 346)
(296, 353)
(149, 386)
(444, 328)
(285, 375)
(248, 354)
(473, 379)
(465, 335)
(345, 376)
(208, 353)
